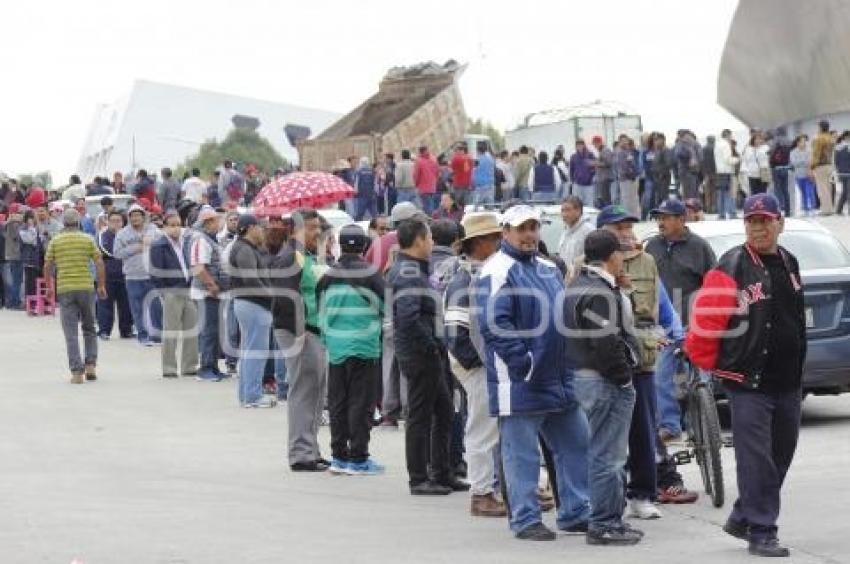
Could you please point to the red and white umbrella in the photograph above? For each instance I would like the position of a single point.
(301, 190)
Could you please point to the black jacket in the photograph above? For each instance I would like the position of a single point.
(414, 309)
(682, 265)
(593, 312)
(249, 277)
(285, 279)
(166, 271)
(730, 327)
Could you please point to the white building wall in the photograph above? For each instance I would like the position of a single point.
(161, 125)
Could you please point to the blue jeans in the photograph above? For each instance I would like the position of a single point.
(231, 327)
(780, 189)
(208, 339)
(255, 323)
(609, 412)
(430, 202)
(407, 195)
(587, 194)
(643, 432)
(13, 276)
(725, 198)
(669, 412)
(137, 292)
(543, 196)
(807, 192)
(566, 434)
(366, 204)
(647, 201)
(483, 195)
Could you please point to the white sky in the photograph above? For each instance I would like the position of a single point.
(61, 58)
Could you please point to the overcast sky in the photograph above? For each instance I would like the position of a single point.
(62, 58)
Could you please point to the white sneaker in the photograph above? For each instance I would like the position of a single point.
(643, 509)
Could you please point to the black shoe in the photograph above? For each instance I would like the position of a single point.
(536, 532)
(314, 466)
(455, 485)
(128, 335)
(429, 488)
(578, 528)
(768, 547)
(614, 537)
(460, 470)
(737, 529)
(629, 528)
(169, 375)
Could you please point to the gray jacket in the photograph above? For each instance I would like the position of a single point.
(404, 175)
(169, 194)
(129, 249)
(13, 240)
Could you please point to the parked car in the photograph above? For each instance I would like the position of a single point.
(825, 270)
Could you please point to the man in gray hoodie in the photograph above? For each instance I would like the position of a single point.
(131, 246)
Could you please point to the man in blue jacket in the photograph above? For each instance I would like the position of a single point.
(529, 385)
(171, 276)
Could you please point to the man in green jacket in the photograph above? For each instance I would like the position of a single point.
(350, 298)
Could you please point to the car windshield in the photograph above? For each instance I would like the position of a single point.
(813, 249)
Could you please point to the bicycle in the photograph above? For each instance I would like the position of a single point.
(702, 428)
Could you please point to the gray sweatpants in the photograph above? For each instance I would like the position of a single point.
(179, 325)
(76, 308)
(307, 374)
(394, 400)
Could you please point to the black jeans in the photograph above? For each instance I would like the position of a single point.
(765, 427)
(643, 480)
(351, 401)
(116, 295)
(429, 420)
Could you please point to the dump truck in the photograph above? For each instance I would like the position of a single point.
(414, 106)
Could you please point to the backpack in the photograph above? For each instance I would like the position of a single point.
(780, 156)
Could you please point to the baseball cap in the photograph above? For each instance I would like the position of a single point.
(517, 215)
(600, 244)
(406, 210)
(245, 222)
(136, 208)
(670, 207)
(762, 204)
(206, 213)
(614, 214)
(352, 239)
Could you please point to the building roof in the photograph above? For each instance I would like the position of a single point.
(785, 61)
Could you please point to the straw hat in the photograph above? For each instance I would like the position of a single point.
(479, 224)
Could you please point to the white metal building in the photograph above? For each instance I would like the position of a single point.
(158, 125)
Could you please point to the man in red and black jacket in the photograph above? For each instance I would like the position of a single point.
(747, 326)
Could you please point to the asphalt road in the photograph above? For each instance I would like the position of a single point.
(136, 469)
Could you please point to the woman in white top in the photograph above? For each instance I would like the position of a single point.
(754, 161)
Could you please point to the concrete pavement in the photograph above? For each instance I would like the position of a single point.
(137, 469)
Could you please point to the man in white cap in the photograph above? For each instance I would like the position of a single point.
(483, 234)
(69, 255)
(209, 284)
(530, 387)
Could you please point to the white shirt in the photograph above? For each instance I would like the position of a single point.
(201, 255)
(194, 189)
(571, 243)
(723, 159)
(754, 159)
(178, 250)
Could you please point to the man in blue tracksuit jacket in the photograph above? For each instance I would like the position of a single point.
(529, 385)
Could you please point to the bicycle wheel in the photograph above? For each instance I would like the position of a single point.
(712, 467)
(696, 436)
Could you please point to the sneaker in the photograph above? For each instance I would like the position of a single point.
(169, 375)
(768, 547)
(264, 402)
(231, 369)
(103, 336)
(429, 488)
(628, 527)
(368, 468)
(536, 532)
(579, 528)
(388, 424)
(613, 537)
(677, 495)
(455, 485)
(77, 378)
(312, 466)
(643, 509)
(737, 529)
(91, 373)
(339, 467)
(325, 419)
(487, 506)
(667, 437)
(147, 343)
(128, 335)
(207, 376)
(545, 500)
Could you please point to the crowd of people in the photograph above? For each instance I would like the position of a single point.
(638, 174)
(456, 323)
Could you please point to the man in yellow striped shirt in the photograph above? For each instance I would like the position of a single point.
(69, 255)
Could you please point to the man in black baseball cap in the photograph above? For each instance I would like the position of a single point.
(350, 301)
